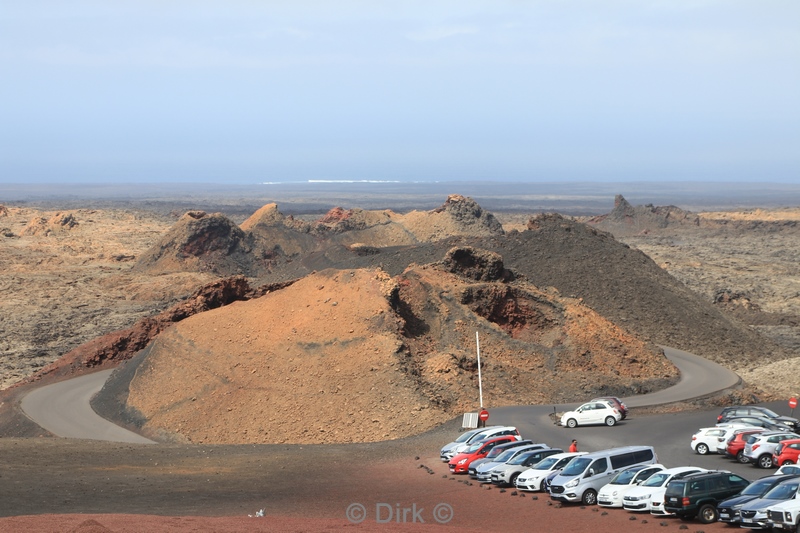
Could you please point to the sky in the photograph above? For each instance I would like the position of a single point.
(253, 91)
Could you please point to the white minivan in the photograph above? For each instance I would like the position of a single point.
(585, 475)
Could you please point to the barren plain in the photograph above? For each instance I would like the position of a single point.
(68, 278)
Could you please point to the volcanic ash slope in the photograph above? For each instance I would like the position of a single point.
(358, 356)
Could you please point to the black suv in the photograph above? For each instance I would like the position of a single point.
(738, 411)
(697, 495)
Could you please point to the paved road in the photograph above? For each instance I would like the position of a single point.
(669, 433)
(63, 409)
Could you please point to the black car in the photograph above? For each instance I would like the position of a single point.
(769, 424)
(729, 509)
(697, 495)
(738, 411)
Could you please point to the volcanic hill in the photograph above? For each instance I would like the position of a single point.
(355, 355)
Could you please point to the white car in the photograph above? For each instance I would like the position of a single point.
(640, 498)
(610, 495)
(594, 412)
(454, 449)
(706, 440)
(444, 454)
(533, 478)
(788, 469)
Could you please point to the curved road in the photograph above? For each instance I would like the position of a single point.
(63, 409)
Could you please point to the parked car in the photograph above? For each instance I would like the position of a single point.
(460, 463)
(483, 472)
(754, 513)
(652, 489)
(735, 443)
(729, 509)
(786, 453)
(697, 495)
(610, 495)
(705, 440)
(463, 438)
(788, 469)
(761, 422)
(595, 412)
(533, 479)
(759, 447)
(755, 410)
(585, 475)
(616, 402)
(507, 473)
(785, 515)
(492, 455)
(484, 434)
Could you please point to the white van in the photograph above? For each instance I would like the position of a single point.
(585, 475)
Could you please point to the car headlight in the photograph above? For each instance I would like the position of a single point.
(462, 461)
(570, 484)
(614, 494)
(645, 497)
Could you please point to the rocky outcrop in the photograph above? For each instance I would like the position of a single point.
(626, 219)
(45, 226)
(201, 242)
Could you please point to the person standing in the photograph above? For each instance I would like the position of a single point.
(574, 446)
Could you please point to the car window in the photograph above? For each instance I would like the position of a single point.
(697, 485)
(758, 487)
(656, 480)
(576, 466)
(598, 466)
(546, 463)
(783, 491)
(737, 481)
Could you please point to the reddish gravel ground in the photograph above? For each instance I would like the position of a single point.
(403, 483)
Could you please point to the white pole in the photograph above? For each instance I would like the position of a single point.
(480, 384)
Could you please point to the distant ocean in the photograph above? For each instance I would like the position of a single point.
(575, 198)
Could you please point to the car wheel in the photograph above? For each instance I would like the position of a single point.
(513, 480)
(765, 461)
(707, 514)
(589, 497)
(610, 421)
(740, 457)
(543, 485)
(702, 449)
(787, 462)
(571, 423)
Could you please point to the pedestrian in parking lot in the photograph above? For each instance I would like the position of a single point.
(574, 446)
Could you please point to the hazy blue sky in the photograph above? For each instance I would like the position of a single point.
(253, 91)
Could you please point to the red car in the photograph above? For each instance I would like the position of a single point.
(736, 444)
(786, 453)
(460, 463)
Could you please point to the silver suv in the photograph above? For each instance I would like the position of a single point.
(759, 447)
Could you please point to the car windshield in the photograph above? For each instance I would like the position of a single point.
(783, 491)
(769, 413)
(656, 480)
(465, 437)
(521, 458)
(758, 487)
(624, 477)
(505, 456)
(576, 466)
(545, 463)
(474, 448)
(494, 452)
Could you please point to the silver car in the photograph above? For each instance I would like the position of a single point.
(760, 446)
